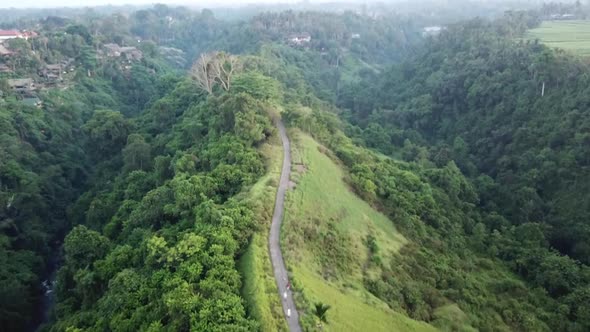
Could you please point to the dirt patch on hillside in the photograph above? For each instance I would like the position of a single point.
(300, 168)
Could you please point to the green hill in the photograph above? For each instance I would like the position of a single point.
(325, 236)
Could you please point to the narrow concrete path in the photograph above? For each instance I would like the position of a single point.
(276, 257)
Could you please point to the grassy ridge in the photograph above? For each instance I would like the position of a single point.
(324, 242)
(259, 288)
(571, 36)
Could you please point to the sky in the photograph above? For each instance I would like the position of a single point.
(83, 3)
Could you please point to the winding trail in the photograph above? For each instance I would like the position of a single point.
(276, 257)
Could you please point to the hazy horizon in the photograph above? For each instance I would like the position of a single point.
(37, 4)
(91, 3)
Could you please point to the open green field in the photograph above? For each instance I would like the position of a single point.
(573, 36)
(325, 225)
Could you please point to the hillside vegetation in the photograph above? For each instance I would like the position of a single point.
(104, 177)
(472, 102)
(328, 236)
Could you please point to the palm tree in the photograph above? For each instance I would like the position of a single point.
(320, 312)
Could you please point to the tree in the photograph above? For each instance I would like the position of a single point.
(81, 30)
(257, 85)
(203, 72)
(227, 65)
(83, 246)
(136, 155)
(215, 68)
(320, 311)
(108, 131)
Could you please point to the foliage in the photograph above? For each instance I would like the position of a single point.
(171, 240)
(453, 110)
(146, 178)
(320, 310)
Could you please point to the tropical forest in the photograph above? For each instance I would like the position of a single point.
(295, 166)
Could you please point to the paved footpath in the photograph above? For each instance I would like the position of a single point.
(276, 257)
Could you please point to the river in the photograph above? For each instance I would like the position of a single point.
(45, 305)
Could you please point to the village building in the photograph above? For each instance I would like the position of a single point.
(67, 65)
(563, 17)
(130, 53)
(300, 39)
(112, 50)
(5, 69)
(431, 31)
(51, 73)
(33, 101)
(23, 86)
(11, 34)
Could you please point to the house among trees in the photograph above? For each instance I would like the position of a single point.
(11, 34)
(51, 73)
(131, 53)
(112, 50)
(67, 64)
(431, 31)
(33, 101)
(300, 39)
(4, 68)
(563, 17)
(23, 86)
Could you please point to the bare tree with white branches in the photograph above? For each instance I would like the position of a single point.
(215, 67)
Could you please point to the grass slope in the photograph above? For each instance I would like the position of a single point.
(571, 36)
(259, 288)
(324, 234)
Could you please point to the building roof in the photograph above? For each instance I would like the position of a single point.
(303, 35)
(20, 81)
(432, 28)
(10, 33)
(33, 101)
(128, 49)
(53, 67)
(112, 47)
(29, 34)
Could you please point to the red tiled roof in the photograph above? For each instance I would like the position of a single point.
(9, 33)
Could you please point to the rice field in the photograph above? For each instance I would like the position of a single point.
(572, 36)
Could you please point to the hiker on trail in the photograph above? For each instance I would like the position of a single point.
(289, 285)
(285, 295)
(289, 312)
